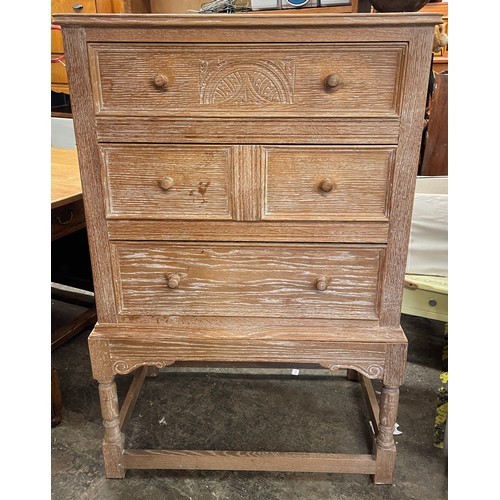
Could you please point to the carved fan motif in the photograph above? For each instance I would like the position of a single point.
(262, 82)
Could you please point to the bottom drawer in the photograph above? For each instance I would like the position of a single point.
(292, 281)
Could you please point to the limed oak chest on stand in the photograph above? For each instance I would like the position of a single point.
(248, 184)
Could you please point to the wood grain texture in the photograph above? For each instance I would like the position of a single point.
(201, 176)
(370, 24)
(372, 402)
(66, 185)
(247, 181)
(201, 130)
(248, 460)
(89, 161)
(297, 250)
(289, 231)
(360, 179)
(239, 329)
(385, 448)
(246, 280)
(131, 348)
(113, 438)
(406, 165)
(132, 396)
(207, 179)
(396, 361)
(247, 80)
(332, 344)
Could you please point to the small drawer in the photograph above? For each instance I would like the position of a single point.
(313, 80)
(327, 183)
(425, 303)
(167, 182)
(66, 219)
(259, 280)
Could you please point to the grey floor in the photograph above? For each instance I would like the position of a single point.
(252, 410)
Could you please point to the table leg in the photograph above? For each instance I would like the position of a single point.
(385, 448)
(113, 438)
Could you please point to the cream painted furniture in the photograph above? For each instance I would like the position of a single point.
(248, 184)
(426, 280)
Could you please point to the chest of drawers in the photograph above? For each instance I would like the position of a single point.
(248, 184)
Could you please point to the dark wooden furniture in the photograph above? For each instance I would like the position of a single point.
(67, 217)
(435, 141)
(67, 213)
(248, 185)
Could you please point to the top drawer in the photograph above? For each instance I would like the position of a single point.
(313, 80)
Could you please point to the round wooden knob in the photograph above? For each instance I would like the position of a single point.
(332, 81)
(166, 183)
(160, 80)
(321, 284)
(326, 185)
(173, 280)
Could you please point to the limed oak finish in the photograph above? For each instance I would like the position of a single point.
(248, 184)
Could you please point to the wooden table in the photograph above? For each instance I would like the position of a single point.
(67, 216)
(66, 193)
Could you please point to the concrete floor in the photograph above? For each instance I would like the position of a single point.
(248, 409)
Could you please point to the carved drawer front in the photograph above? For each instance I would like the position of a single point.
(327, 183)
(168, 182)
(357, 79)
(292, 281)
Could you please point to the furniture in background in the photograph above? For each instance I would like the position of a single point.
(249, 203)
(59, 77)
(426, 296)
(440, 59)
(435, 140)
(426, 281)
(67, 217)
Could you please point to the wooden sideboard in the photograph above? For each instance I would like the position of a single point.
(248, 184)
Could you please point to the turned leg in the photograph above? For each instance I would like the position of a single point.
(113, 438)
(385, 449)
